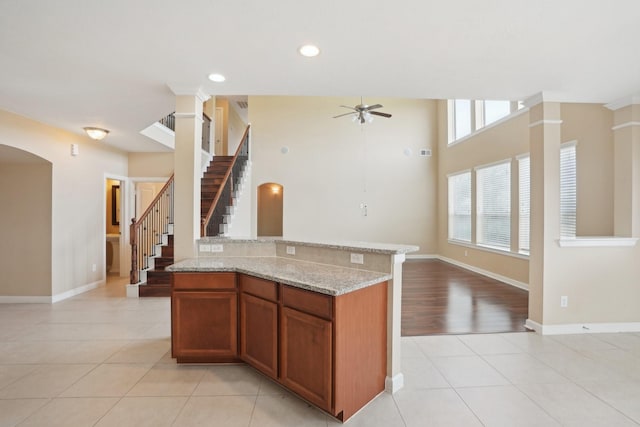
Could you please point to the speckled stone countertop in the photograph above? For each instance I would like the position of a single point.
(322, 278)
(382, 248)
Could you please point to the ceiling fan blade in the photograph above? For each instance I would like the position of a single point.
(377, 113)
(345, 114)
(346, 106)
(373, 107)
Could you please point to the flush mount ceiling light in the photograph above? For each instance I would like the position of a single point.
(96, 133)
(218, 78)
(309, 50)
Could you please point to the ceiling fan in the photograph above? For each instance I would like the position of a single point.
(363, 113)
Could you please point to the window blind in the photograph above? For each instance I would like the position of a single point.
(460, 207)
(493, 205)
(568, 184)
(524, 202)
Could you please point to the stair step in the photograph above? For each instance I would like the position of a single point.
(154, 290)
(167, 250)
(161, 262)
(155, 277)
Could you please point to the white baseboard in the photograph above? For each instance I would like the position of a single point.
(422, 256)
(132, 291)
(487, 273)
(393, 384)
(24, 300)
(77, 291)
(20, 299)
(582, 328)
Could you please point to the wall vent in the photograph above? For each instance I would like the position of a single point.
(243, 104)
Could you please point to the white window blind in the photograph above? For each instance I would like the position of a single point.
(568, 186)
(524, 202)
(493, 206)
(460, 207)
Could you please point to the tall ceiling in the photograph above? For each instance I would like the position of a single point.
(76, 63)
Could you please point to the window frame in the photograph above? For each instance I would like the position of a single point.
(489, 204)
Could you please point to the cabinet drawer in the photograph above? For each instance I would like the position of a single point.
(320, 305)
(262, 288)
(194, 281)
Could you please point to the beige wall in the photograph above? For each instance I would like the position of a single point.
(150, 165)
(333, 166)
(590, 125)
(236, 128)
(78, 206)
(25, 226)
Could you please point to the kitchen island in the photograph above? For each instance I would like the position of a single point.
(318, 318)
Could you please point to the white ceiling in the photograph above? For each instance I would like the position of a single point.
(75, 63)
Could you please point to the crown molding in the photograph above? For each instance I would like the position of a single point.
(623, 102)
(183, 90)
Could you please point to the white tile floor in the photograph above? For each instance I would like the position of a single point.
(102, 359)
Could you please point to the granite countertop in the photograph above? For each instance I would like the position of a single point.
(322, 278)
(382, 248)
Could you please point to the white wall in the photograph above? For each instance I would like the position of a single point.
(78, 211)
(334, 165)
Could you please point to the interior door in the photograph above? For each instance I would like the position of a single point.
(145, 193)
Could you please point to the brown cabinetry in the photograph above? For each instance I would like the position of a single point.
(330, 350)
(204, 317)
(259, 324)
(307, 356)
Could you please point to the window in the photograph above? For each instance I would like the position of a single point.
(460, 206)
(462, 118)
(568, 190)
(493, 205)
(524, 202)
(495, 110)
(467, 116)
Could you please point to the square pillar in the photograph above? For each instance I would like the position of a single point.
(187, 172)
(544, 140)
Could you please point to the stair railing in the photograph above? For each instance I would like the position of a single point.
(146, 232)
(210, 225)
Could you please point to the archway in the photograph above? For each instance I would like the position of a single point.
(25, 223)
(270, 210)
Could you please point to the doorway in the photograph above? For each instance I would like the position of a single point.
(270, 210)
(113, 226)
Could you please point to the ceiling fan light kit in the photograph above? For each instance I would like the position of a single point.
(363, 113)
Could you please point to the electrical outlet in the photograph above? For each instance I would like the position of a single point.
(564, 301)
(216, 248)
(205, 248)
(466, 253)
(357, 258)
(291, 250)
(94, 267)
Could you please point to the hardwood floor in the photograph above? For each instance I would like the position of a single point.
(440, 298)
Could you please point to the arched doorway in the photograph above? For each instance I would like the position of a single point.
(25, 223)
(270, 197)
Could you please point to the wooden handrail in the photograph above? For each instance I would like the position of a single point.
(205, 220)
(144, 232)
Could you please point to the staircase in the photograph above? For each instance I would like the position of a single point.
(158, 282)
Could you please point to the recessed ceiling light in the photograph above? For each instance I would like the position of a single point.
(309, 50)
(218, 78)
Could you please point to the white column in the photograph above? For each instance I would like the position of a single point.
(544, 142)
(187, 171)
(395, 378)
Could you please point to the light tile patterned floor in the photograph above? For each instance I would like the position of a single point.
(102, 359)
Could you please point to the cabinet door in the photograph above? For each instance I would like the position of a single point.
(259, 334)
(306, 356)
(204, 325)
